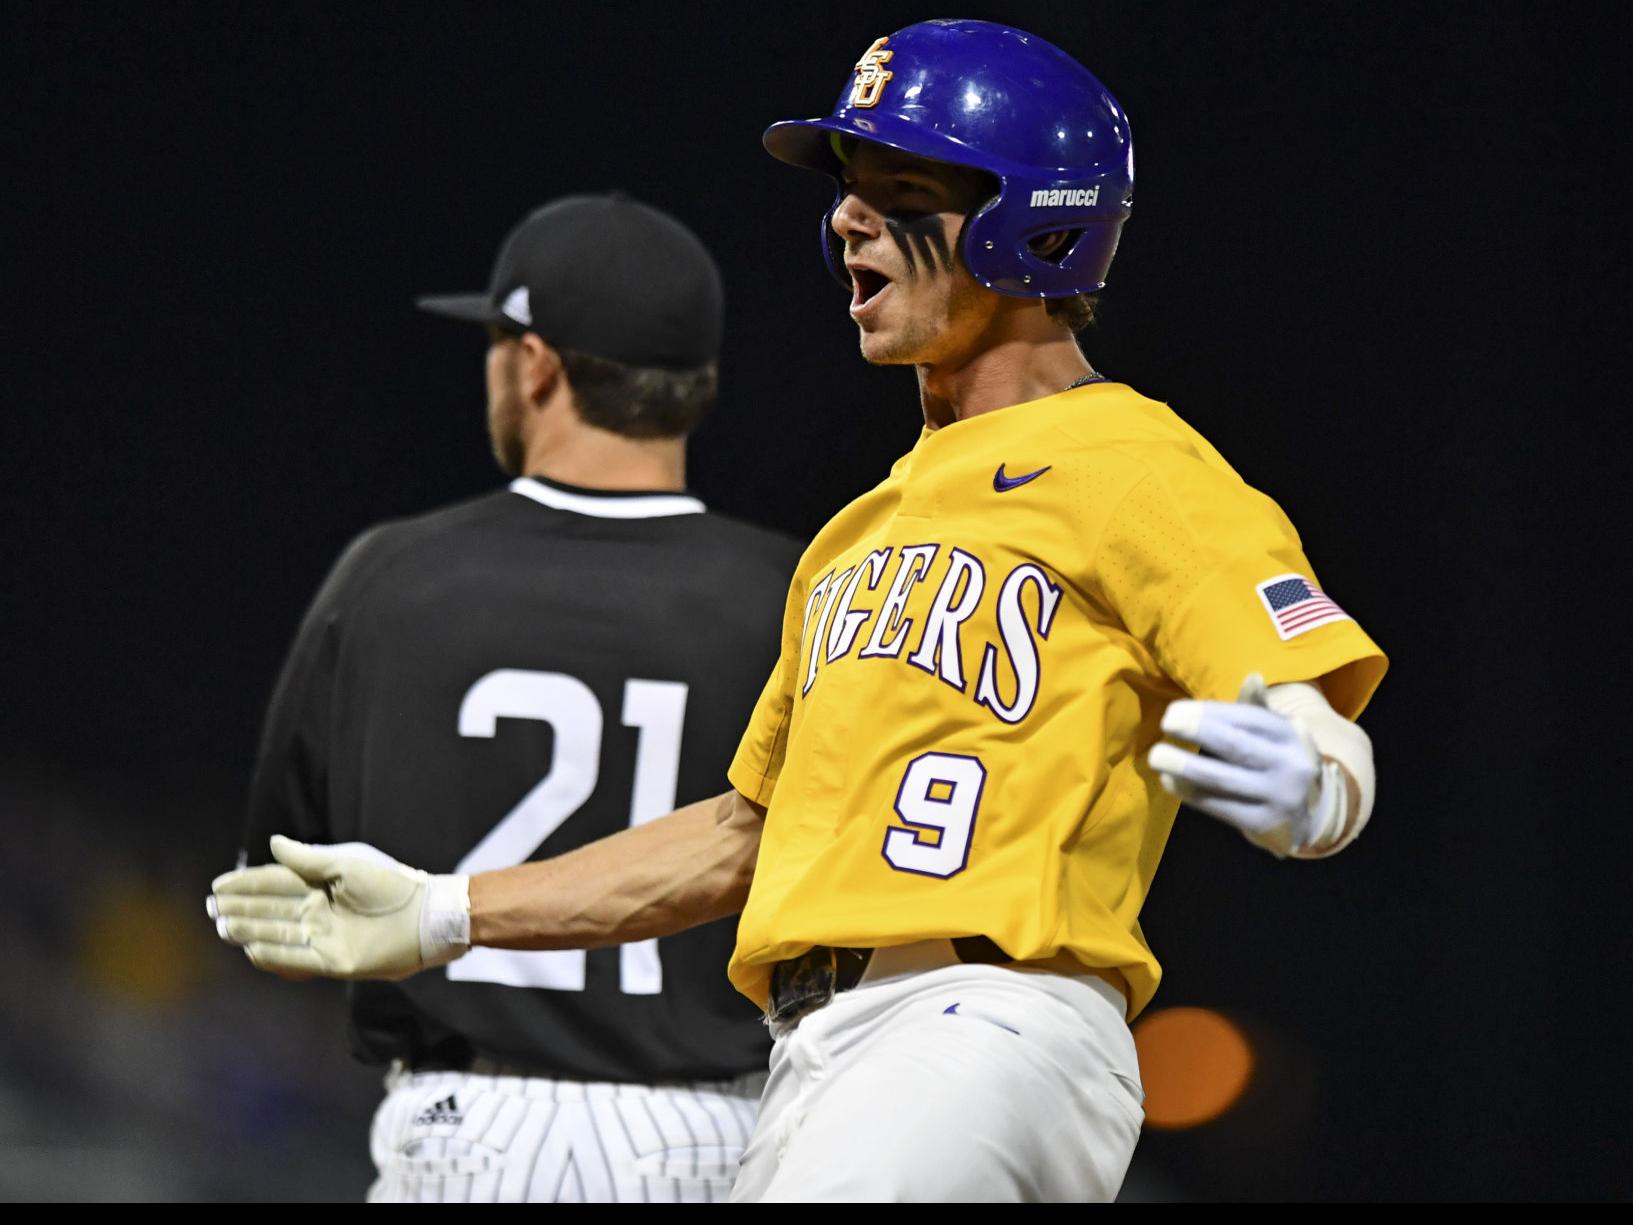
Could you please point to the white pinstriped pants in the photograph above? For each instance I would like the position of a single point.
(459, 1137)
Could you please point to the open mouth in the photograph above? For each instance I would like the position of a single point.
(867, 285)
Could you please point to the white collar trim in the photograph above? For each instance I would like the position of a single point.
(608, 506)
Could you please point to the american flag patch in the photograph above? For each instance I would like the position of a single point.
(1296, 604)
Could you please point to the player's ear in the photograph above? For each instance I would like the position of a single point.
(539, 367)
(1049, 245)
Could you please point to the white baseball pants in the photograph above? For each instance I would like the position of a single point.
(936, 1081)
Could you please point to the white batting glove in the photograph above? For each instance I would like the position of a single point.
(1257, 771)
(347, 911)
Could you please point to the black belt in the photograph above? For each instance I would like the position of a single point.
(476, 1063)
(456, 1054)
(805, 983)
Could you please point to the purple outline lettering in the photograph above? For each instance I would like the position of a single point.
(908, 573)
(821, 626)
(1013, 631)
(942, 623)
(895, 832)
(842, 635)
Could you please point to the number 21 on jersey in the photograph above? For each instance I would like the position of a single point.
(657, 709)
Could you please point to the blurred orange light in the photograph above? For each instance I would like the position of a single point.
(1195, 1065)
(140, 943)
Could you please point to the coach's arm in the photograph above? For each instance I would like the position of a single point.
(350, 912)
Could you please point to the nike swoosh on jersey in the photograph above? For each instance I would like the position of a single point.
(1003, 484)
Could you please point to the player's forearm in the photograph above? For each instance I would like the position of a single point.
(687, 868)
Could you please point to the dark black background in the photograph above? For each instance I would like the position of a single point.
(1371, 259)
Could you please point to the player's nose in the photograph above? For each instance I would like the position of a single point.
(855, 220)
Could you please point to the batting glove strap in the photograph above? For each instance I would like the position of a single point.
(1262, 767)
(1340, 812)
(445, 920)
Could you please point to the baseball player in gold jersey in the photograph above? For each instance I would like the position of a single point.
(952, 797)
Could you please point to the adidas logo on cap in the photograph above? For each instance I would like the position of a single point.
(518, 306)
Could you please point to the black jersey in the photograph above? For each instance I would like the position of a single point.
(509, 679)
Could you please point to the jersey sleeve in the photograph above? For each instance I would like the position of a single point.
(289, 788)
(758, 762)
(1211, 577)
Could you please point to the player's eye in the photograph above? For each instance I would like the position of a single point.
(914, 183)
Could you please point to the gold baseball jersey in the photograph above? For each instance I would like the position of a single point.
(976, 655)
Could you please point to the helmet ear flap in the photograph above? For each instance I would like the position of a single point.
(833, 247)
(978, 248)
(1091, 250)
(1056, 245)
(1063, 256)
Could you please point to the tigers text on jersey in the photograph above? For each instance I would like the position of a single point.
(507, 680)
(976, 655)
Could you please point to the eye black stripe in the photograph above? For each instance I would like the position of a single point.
(921, 238)
(903, 241)
(921, 242)
(937, 238)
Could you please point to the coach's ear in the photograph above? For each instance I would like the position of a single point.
(539, 369)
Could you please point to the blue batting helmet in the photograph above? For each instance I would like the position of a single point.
(1000, 100)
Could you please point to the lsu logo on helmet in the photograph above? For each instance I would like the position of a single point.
(871, 74)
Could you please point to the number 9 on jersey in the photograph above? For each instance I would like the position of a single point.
(937, 801)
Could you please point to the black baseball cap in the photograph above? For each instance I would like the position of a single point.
(604, 275)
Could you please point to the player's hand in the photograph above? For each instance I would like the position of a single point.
(342, 912)
(1257, 770)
